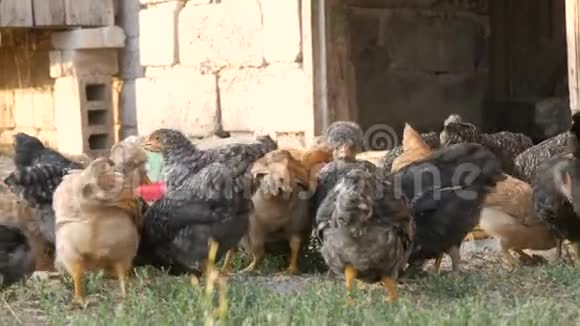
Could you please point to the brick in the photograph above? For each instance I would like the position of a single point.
(89, 38)
(157, 38)
(83, 62)
(282, 39)
(180, 98)
(215, 36)
(128, 114)
(433, 42)
(268, 100)
(43, 104)
(130, 64)
(7, 109)
(24, 108)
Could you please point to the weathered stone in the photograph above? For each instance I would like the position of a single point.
(130, 63)
(16, 13)
(43, 105)
(433, 42)
(157, 38)
(181, 98)
(48, 137)
(7, 109)
(267, 100)
(215, 36)
(24, 108)
(89, 12)
(89, 38)
(128, 107)
(83, 62)
(282, 39)
(68, 117)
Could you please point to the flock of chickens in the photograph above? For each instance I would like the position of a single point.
(369, 221)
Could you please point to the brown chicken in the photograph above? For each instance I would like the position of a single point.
(508, 215)
(414, 149)
(91, 231)
(280, 209)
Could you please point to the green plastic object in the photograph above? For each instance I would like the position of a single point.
(154, 165)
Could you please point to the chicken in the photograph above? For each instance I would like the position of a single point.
(92, 232)
(280, 207)
(16, 257)
(313, 158)
(208, 199)
(365, 232)
(508, 215)
(445, 193)
(505, 145)
(30, 151)
(556, 193)
(528, 161)
(430, 138)
(414, 149)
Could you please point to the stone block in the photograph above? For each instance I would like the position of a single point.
(433, 42)
(157, 37)
(16, 13)
(43, 104)
(48, 137)
(68, 116)
(89, 38)
(282, 36)
(24, 108)
(130, 64)
(7, 109)
(215, 36)
(128, 114)
(180, 98)
(83, 62)
(89, 12)
(266, 100)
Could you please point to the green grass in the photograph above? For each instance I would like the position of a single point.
(482, 295)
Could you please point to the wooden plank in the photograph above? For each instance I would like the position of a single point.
(89, 12)
(48, 12)
(16, 13)
(572, 30)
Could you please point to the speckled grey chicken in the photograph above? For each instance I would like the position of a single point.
(556, 188)
(431, 138)
(365, 232)
(445, 193)
(208, 197)
(529, 160)
(505, 145)
(16, 258)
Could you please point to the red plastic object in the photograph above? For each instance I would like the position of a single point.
(152, 192)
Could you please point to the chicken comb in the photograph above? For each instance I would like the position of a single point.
(413, 140)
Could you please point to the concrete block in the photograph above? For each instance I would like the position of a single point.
(130, 64)
(180, 98)
(7, 109)
(282, 33)
(267, 100)
(43, 104)
(90, 38)
(129, 17)
(157, 34)
(128, 109)
(24, 108)
(434, 42)
(215, 36)
(83, 62)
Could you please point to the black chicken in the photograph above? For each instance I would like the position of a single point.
(38, 171)
(431, 138)
(365, 231)
(208, 197)
(445, 193)
(505, 145)
(556, 188)
(16, 258)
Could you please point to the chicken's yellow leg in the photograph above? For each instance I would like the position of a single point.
(227, 266)
(122, 270)
(295, 242)
(437, 264)
(391, 286)
(349, 276)
(77, 272)
(508, 257)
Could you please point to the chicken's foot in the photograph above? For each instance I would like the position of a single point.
(391, 286)
(455, 259)
(122, 270)
(349, 276)
(295, 242)
(227, 266)
(507, 255)
(437, 264)
(77, 271)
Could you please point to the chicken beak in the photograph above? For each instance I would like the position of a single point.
(151, 146)
(343, 152)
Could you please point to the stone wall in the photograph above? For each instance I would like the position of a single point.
(419, 61)
(26, 89)
(202, 67)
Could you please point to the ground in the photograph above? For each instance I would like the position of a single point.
(485, 292)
